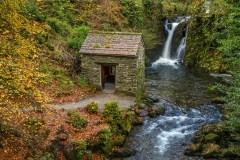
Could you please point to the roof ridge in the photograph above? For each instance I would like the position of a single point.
(112, 32)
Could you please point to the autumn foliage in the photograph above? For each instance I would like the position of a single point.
(20, 79)
(40, 63)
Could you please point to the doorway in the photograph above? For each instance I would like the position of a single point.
(108, 77)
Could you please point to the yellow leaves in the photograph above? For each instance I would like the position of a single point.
(5, 32)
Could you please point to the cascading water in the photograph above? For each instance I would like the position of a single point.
(187, 102)
(170, 28)
(166, 58)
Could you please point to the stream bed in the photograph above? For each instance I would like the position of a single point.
(184, 94)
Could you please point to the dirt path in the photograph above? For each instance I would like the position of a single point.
(101, 99)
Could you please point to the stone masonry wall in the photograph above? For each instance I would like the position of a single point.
(141, 66)
(126, 71)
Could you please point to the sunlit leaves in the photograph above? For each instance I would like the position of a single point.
(20, 79)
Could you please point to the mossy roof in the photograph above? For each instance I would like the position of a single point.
(111, 44)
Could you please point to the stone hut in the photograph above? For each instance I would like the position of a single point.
(114, 60)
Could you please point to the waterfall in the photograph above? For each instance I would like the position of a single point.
(170, 28)
(181, 48)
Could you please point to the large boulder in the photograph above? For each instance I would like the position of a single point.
(193, 150)
(211, 150)
(211, 137)
(155, 111)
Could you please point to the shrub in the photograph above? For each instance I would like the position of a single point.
(82, 82)
(32, 12)
(65, 82)
(118, 119)
(92, 89)
(82, 147)
(92, 107)
(76, 119)
(33, 124)
(58, 26)
(77, 37)
(133, 11)
(111, 112)
(106, 140)
(77, 150)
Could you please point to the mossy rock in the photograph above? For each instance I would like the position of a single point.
(219, 129)
(123, 152)
(139, 121)
(198, 138)
(119, 140)
(155, 111)
(233, 151)
(211, 137)
(193, 150)
(211, 150)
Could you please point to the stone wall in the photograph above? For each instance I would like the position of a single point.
(126, 71)
(141, 65)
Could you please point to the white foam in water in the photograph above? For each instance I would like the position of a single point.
(176, 118)
(165, 137)
(151, 127)
(167, 62)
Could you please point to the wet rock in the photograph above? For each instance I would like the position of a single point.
(123, 152)
(193, 150)
(155, 111)
(198, 138)
(211, 137)
(211, 150)
(142, 106)
(219, 129)
(154, 99)
(141, 112)
(139, 121)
